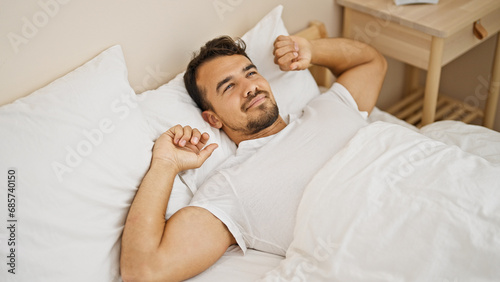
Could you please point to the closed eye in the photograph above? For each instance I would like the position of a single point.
(229, 86)
(251, 73)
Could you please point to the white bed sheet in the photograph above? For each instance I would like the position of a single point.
(234, 266)
(394, 205)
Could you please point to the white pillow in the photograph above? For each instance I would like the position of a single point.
(292, 89)
(170, 104)
(78, 150)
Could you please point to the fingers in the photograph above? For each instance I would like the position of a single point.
(181, 135)
(195, 135)
(207, 152)
(178, 132)
(291, 53)
(187, 135)
(284, 45)
(285, 52)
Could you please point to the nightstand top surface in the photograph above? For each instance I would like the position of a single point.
(441, 20)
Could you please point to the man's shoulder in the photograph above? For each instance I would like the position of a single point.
(339, 95)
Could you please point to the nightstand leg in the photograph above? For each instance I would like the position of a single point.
(492, 101)
(432, 81)
(346, 29)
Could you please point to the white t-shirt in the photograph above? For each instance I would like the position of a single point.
(256, 192)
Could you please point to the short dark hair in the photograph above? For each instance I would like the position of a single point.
(220, 46)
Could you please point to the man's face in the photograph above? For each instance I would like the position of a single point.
(241, 98)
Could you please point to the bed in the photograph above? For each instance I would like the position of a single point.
(74, 152)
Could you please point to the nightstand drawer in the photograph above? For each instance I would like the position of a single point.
(464, 40)
(428, 36)
(409, 45)
(391, 39)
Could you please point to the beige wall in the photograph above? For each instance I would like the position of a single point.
(41, 40)
(44, 39)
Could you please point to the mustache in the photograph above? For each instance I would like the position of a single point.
(250, 97)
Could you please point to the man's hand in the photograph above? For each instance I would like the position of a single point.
(357, 66)
(292, 53)
(192, 239)
(183, 148)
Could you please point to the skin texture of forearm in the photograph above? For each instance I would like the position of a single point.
(146, 219)
(341, 54)
(154, 249)
(358, 66)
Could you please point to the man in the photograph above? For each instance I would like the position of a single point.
(252, 199)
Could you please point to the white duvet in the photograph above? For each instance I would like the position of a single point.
(396, 205)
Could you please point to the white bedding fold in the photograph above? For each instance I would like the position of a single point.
(395, 205)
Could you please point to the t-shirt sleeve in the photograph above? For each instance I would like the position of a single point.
(346, 97)
(216, 196)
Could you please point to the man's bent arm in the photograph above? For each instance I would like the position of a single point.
(358, 67)
(185, 245)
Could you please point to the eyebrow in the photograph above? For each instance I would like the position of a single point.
(228, 78)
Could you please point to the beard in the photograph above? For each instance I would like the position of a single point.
(269, 116)
(269, 113)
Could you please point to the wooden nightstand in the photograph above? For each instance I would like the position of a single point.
(428, 36)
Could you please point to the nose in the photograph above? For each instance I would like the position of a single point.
(250, 93)
(250, 90)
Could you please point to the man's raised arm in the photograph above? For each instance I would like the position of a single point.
(192, 239)
(358, 67)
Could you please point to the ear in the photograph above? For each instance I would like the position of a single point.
(212, 119)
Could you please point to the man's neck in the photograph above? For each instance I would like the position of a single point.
(276, 127)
